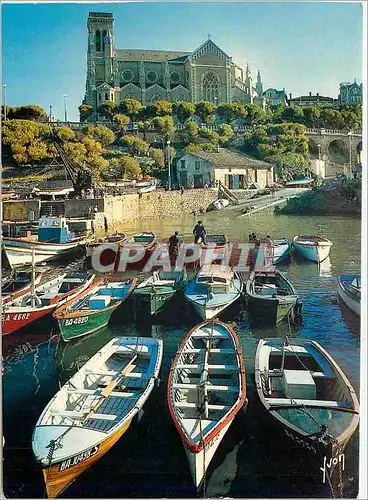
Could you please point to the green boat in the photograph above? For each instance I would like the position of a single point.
(93, 310)
(152, 294)
(270, 297)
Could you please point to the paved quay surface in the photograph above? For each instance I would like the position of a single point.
(263, 202)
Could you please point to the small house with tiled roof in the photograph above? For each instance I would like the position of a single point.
(233, 169)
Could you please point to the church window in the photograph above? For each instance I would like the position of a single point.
(152, 76)
(104, 36)
(210, 87)
(106, 96)
(182, 164)
(128, 75)
(197, 165)
(175, 77)
(98, 41)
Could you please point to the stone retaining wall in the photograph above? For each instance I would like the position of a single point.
(18, 210)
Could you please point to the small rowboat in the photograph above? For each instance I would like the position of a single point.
(94, 409)
(153, 293)
(93, 309)
(315, 248)
(146, 187)
(31, 307)
(137, 242)
(212, 291)
(206, 389)
(270, 297)
(18, 285)
(111, 238)
(307, 396)
(277, 251)
(220, 203)
(349, 292)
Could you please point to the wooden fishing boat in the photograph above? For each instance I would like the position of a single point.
(270, 297)
(307, 396)
(46, 297)
(349, 292)
(94, 409)
(206, 389)
(213, 290)
(93, 309)
(111, 238)
(220, 203)
(153, 293)
(146, 187)
(54, 241)
(315, 248)
(145, 241)
(277, 251)
(18, 285)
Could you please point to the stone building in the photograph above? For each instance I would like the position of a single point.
(351, 93)
(313, 100)
(207, 73)
(233, 169)
(275, 97)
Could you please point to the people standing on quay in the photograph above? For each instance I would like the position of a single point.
(174, 243)
(199, 232)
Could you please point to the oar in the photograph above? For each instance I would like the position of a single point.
(111, 386)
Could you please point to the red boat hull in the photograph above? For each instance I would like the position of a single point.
(12, 321)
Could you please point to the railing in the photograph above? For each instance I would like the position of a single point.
(236, 128)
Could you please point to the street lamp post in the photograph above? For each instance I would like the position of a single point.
(319, 151)
(350, 154)
(168, 164)
(50, 115)
(65, 108)
(4, 89)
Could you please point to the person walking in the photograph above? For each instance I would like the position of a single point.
(199, 233)
(174, 243)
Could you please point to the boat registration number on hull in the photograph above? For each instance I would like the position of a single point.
(15, 317)
(78, 458)
(76, 321)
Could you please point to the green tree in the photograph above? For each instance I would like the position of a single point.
(144, 126)
(164, 125)
(205, 111)
(108, 109)
(30, 112)
(230, 111)
(253, 115)
(64, 134)
(292, 114)
(85, 111)
(195, 148)
(158, 157)
(184, 111)
(25, 140)
(162, 108)
(225, 133)
(135, 145)
(100, 133)
(311, 116)
(208, 134)
(121, 123)
(131, 108)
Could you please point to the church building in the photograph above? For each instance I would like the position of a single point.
(207, 73)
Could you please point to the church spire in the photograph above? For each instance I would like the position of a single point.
(259, 84)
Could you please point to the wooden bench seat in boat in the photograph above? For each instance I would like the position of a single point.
(306, 402)
(209, 387)
(194, 405)
(229, 368)
(141, 350)
(114, 374)
(209, 335)
(93, 392)
(78, 415)
(212, 351)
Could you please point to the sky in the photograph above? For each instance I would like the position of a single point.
(302, 46)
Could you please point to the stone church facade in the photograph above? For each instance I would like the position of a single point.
(113, 74)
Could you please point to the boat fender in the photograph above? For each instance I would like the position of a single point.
(157, 382)
(245, 406)
(140, 414)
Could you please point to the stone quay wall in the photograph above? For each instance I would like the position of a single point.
(123, 208)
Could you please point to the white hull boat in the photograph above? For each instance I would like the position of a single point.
(19, 252)
(349, 292)
(94, 409)
(220, 203)
(276, 252)
(315, 248)
(206, 389)
(213, 291)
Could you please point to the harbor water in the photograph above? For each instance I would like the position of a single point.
(149, 461)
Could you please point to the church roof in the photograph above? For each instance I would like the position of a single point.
(151, 55)
(225, 158)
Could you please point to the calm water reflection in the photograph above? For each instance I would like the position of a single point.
(149, 461)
